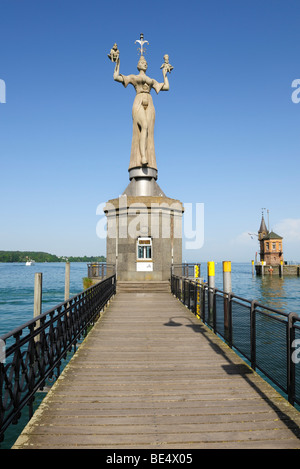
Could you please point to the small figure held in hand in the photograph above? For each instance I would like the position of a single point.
(166, 66)
(114, 53)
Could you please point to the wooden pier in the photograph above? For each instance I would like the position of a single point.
(151, 375)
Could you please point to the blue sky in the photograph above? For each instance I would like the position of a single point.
(226, 135)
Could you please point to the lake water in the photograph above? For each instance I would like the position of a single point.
(17, 288)
(17, 291)
(271, 290)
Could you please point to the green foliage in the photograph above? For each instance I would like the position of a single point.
(22, 256)
(87, 282)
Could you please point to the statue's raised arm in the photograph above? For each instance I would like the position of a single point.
(117, 76)
(143, 112)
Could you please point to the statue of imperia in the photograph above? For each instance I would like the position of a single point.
(143, 112)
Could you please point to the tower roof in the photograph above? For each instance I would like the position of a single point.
(272, 235)
(263, 226)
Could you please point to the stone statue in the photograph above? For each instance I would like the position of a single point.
(166, 65)
(114, 53)
(143, 112)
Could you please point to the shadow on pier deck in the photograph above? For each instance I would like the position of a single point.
(151, 375)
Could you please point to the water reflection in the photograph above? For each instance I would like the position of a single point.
(273, 292)
(270, 290)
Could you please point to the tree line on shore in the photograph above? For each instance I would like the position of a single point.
(23, 256)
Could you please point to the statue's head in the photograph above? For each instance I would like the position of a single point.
(142, 64)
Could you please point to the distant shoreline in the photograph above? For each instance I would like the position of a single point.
(48, 262)
(38, 256)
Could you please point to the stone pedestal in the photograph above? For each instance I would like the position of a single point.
(144, 234)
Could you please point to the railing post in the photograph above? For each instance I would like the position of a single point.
(115, 284)
(201, 299)
(211, 286)
(214, 310)
(228, 325)
(291, 375)
(227, 290)
(194, 284)
(197, 300)
(185, 291)
(203, 304)
(253, 334)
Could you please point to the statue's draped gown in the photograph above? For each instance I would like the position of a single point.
(142, 108)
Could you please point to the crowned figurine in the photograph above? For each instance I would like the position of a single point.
(114, 53)
(166, 65)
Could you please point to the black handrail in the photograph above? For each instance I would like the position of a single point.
(187, 269)
(266, 337)
(35, 350)
(100, 270)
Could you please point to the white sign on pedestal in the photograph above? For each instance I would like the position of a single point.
(144, 266)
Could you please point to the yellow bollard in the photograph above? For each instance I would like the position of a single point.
(211, 273)
(227, 276)
(211, 286)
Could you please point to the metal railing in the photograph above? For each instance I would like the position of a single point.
(34, 351)
(265, 337)
(100, 270)
(185, 270)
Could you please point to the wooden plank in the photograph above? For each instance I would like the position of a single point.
(151, 375)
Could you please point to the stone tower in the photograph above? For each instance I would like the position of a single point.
(271, 251)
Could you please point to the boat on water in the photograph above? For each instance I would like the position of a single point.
(30, 262)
